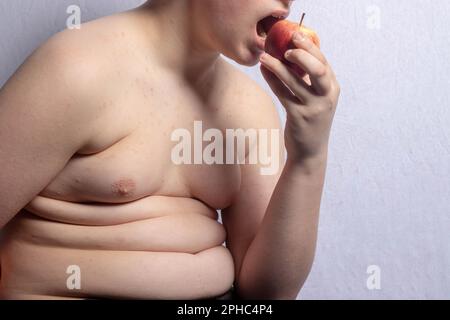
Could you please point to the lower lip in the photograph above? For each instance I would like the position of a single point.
(260, 41)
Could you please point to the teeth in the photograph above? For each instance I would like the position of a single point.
(277, 17)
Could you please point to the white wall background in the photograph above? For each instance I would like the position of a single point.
(386, 199)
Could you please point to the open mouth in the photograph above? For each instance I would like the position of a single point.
(264, 25)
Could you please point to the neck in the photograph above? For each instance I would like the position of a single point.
(178, 44)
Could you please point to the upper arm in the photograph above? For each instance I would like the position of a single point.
(44, 120)
(243, 217)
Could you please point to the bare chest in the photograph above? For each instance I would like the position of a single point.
(137, 154)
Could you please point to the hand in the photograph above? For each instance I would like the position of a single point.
(310, 102)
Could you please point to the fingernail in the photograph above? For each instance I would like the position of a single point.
(298, 36)
(287, 54)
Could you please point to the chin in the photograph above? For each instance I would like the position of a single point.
(246, 57)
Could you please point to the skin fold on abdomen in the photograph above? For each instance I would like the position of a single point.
(153, 248)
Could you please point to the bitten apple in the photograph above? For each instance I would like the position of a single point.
(279, 40)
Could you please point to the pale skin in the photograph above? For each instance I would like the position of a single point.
(87, 179)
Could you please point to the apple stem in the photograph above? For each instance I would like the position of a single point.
(301, 21)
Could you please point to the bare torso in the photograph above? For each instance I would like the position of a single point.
(136, 224)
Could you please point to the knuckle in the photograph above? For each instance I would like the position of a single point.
(320, 71)
(295, 111)
(319, 111)
(309, 117)
(296, 55)
(337, 90)
(312, 114)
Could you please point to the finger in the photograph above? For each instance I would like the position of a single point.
(317, 71)
(301, 41)
(287, 99)
(297, 85)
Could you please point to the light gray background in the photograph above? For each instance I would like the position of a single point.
(386, 199)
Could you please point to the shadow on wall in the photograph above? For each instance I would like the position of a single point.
(26, 24)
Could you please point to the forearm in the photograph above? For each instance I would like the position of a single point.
(279, 259)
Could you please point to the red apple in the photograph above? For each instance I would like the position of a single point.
(279, 39)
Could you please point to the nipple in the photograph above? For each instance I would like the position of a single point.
(124, 187)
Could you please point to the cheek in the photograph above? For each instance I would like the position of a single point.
(230, 17)
(231, 29)
(227, 30)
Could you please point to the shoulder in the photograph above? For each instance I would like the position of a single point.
(73, 67)
(61, 83)
(250, 102)
(80, 54)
